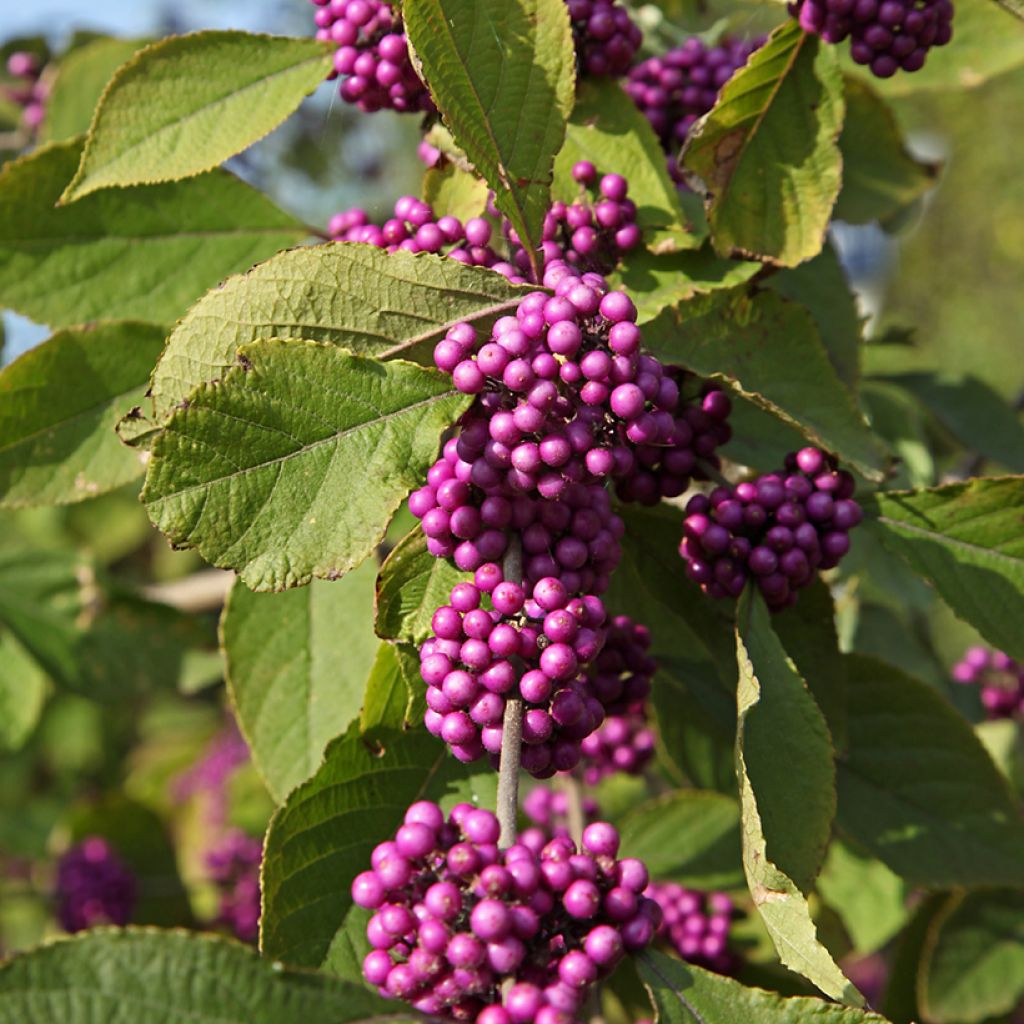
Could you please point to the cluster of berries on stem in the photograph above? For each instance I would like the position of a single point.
(465, 931)
(777, 530)
(28, 91)
(605, 36)
(999, 677)
(94, 886)
(696, 924)
(233, 865)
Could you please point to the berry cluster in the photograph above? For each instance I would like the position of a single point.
(372, 55)
(548, 811)
(696, 925)
(621, 679)
(1000, 677)
(605, 36)
(29, 92)
(234, 867)
(778, 529)
(94, 886)
(680, 86)
(467, 932)
(209, 775)
(592, 233)
(885, 35)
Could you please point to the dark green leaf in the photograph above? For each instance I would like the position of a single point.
(394, 697)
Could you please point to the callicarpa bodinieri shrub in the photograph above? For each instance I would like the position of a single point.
(576, 559)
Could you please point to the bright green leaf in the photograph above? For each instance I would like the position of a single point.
(296, 664)
(123, 977)
(917, 788)
(502, 73)
(23, 688)
(59, 404)
(453, 192)
(767, 152)
(143, 253)
(186, 103)
(973, 965)
(292, 465)
(770, 351)
(324, 834)
(608, 129)
(966, 539)
(412, 585)
(355, 296)
(691, 837)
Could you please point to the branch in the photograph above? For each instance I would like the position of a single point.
(511, 727)
(205, 591)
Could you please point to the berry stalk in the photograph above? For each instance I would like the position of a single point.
(512, 728)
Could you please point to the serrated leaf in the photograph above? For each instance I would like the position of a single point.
(685, 994)
(608, 129)
(767, 152)
(296, 665)
(973, 963)
(787, 797)
(502, 73)
(82, 75)
(880, 178)
(411, 586)
(966, 539)
(394, 697)
(292, 465)
(59, 403)
(143, 253)
(770, 351)
(126, 976)
(918, 789)
(355, 296)
(324, 834)
(23, 688)
(691, 837)
(185, 104)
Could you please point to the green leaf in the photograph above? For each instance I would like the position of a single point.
(973, 963)
(82, 75)
(684, 994)
(122, 977)
(869, 898)
(917, 788)
(820, 285)
(59, 404)
(900, 1000)
(1003, 738)
(770, 351)
(324, 834)
(502, 73)
(412, 585)
(608, 129)
(296, 664)
(691, 837)
(185, 104)
(453, 192)
(880, 178)
(292, 465)
(142, 253)
(23, 689)
(394, 697)
(767, 153)
(656, 282)
(787, 797)
(965, 538)
(355, 296)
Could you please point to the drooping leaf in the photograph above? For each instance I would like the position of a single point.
(770, 351)
(292, 465)
(59, 404)
(691, 837)
(608, 129)
(767, 153)
(125, 976)
(685, 994)
(186, 103)
(144, 253)
(412, 585)
(502, 73)
(82, 75)
(880, 178)
(918, 789)
(355, 296)
(973, 966)
(23, 686)
(787, 797)
(394, 697)
(296, 665)
(965, 538)
(324, 834)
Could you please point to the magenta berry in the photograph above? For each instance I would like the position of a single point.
(999, 678)
(94, 886)
(696, 925)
